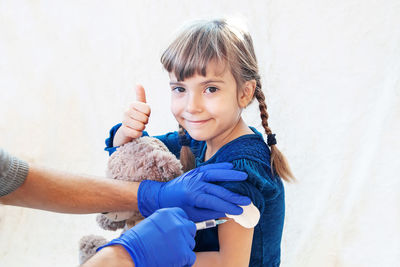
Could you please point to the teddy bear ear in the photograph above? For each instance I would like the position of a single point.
(107, 224)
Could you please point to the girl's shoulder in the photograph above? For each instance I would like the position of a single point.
(250, 146)
(250, 154)
(249, 149)
(261, 185)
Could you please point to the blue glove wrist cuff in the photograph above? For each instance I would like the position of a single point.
(147, 197)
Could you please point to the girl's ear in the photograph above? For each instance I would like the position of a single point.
(247, 93)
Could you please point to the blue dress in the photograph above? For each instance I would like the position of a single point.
(248, 153)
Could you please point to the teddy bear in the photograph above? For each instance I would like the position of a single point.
(144, 158)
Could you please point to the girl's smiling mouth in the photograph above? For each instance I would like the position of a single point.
(196, 122)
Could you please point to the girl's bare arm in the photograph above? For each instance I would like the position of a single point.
(235, 247)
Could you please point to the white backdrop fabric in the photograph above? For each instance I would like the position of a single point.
(331, 75)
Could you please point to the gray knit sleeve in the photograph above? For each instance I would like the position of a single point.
(13, 173)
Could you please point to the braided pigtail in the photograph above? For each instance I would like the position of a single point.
(278, 160)
(187, 158)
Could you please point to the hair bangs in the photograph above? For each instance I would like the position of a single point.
(193, 50)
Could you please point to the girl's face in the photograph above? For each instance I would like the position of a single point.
(207, 107)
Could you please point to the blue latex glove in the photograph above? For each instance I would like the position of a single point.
(192, 192)
(166, 238)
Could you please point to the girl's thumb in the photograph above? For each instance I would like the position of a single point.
(140, 93)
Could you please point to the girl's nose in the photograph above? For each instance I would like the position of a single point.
(193, 104)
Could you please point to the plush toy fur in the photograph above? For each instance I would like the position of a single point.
(144, 158)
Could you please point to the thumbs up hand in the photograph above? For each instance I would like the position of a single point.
(135, 119)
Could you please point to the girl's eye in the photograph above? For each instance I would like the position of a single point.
(211, 89)
(179, 89)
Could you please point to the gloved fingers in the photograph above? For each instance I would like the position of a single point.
(226, 195)
(181, 220)
(223, 165)
(189, 237)
(191, 257)
(214, 175)
(200, 215)
(178, 212)
(187, 227)
(207, 201)
(190, 227)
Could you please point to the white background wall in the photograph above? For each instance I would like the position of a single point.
(331, 72)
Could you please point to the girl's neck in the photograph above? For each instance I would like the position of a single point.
(216, 143)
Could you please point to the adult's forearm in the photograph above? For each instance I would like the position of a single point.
(64, 192)
(110, 256)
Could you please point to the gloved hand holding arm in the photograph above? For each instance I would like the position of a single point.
(166, 238)
(167, 232)
(193, 193)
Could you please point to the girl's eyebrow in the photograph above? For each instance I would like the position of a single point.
(212, 81)
(202, 83)
(175, 83)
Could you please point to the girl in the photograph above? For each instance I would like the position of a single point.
(213, 76)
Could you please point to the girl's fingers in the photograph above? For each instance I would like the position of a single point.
(134, 124)
(141, 107)
(132, 133)
(136, 115)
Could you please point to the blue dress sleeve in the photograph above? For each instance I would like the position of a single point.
(110, 140)
(171, 141)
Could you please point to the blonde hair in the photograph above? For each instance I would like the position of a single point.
(217, 40)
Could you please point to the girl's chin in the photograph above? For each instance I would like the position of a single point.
(198, 136)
